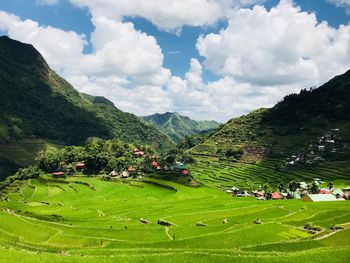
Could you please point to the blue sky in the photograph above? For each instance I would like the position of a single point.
(177, 49)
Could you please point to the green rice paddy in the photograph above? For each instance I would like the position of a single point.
(66, 221)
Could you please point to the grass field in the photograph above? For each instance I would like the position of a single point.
(67, 221)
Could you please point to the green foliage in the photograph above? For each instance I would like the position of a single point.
(98, 155)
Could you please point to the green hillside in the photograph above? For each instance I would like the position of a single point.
(282, 143)
(81, 219)
(177, 126)
(36, 103)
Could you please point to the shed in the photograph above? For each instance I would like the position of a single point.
(319, 198)
(80, 166)
(276, 195)
(131, 169)
(113, 173)
(125, 174)
(185, 172)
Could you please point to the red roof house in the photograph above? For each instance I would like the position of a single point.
(58, 173)
(185, 172)
(325, 192)
(131, 169)
(136, 150)
(276, 195)
(158, 168)
(154, 163)
(80, 165)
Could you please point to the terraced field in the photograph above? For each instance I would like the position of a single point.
(24, 152)
(216, 173)
(89, 220)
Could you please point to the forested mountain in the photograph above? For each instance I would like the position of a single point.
(291, 126)
(177, 126)
(36, 102)
(37, 105)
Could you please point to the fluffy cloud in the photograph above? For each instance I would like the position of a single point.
(277, 47)
(60, 48)
(260, 56)
(168, 15)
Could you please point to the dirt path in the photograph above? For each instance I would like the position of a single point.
(167, 233)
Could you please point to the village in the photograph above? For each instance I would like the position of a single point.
(325, 148)
(307, 192)
(145, 164)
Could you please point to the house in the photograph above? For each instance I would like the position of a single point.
(338, 193)
(179, 166)
(154, 163)
(135, 150)
(276, 195)
(242, 194)
(125, 174)
(325, 192)
(158, 168)
(260, 194)
(185, 172)
(233, 188)
(80, 166)
(319, 198)
(131, 169)
(59, 174)
(113, 173)
(139, 154)
(321, 148)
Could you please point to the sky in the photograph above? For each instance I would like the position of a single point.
(207, 59)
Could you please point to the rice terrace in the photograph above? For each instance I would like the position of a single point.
(174, 131)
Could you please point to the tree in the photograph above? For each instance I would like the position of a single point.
(313, 188)
(281, 187)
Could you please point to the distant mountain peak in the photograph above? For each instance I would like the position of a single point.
(177, 126)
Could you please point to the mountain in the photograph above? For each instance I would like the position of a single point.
(291, 126)
(37, 103)
(177, 126)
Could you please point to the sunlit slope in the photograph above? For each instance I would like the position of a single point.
(71, 218)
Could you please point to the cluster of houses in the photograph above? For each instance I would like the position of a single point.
(317, 152)
(303, 192)
(155, 166)
(153, 160)
(74, 167)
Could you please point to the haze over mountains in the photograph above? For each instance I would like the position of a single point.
(177, 126)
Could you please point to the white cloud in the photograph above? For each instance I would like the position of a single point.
(277, 47)
(342, 3)
(170, 15)
(260, 56)
(60, 48)
(46, 2)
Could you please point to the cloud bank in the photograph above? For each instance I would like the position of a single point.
(260, 56)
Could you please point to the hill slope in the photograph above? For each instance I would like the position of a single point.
(37, 103)
(306, 135)
(177, 126)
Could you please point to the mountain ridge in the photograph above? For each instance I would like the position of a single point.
(177, 126)
(35, 102)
